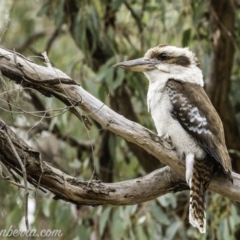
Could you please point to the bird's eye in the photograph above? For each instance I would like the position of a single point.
(162, 56)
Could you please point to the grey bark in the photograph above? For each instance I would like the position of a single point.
(52, 82)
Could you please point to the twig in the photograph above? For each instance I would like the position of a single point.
(135, 16)
(30, 40)
(224, 28)
(93, 173)
(23, 172)
(52, 39)
(7, 178)
(5, 90)
(47, 61)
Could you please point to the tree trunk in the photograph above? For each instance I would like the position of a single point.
(218, 84)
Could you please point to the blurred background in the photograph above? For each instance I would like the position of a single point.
(84, 38)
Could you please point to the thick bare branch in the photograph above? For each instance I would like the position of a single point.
(74, 190)
(68, 188)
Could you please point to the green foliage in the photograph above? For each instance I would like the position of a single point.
(94, 35)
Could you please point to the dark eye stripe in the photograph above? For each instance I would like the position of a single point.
(165, 57)
(183, 61)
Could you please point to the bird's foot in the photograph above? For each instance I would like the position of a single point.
(168, 139)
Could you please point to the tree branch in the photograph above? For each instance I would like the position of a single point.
(86, 192)
(155, 184)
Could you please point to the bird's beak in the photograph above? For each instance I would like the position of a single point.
(137, 65)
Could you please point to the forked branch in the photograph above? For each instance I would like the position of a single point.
(52, 82)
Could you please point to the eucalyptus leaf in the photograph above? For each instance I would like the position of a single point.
(186, 37)
(104, 217)
(159, 215)
(46, 208)
(172, 230)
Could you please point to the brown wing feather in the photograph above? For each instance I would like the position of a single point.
(195, 112)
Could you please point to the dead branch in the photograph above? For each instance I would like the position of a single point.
(71, 189)
(76, 191)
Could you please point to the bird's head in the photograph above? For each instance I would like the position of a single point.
(166, 61)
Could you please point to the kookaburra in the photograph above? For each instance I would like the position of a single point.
(183, 113)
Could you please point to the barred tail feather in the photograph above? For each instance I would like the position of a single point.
(200, 179)
(197, 214)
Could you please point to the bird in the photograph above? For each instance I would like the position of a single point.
(183, 113)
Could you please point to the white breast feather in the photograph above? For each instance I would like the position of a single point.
(160, 107)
